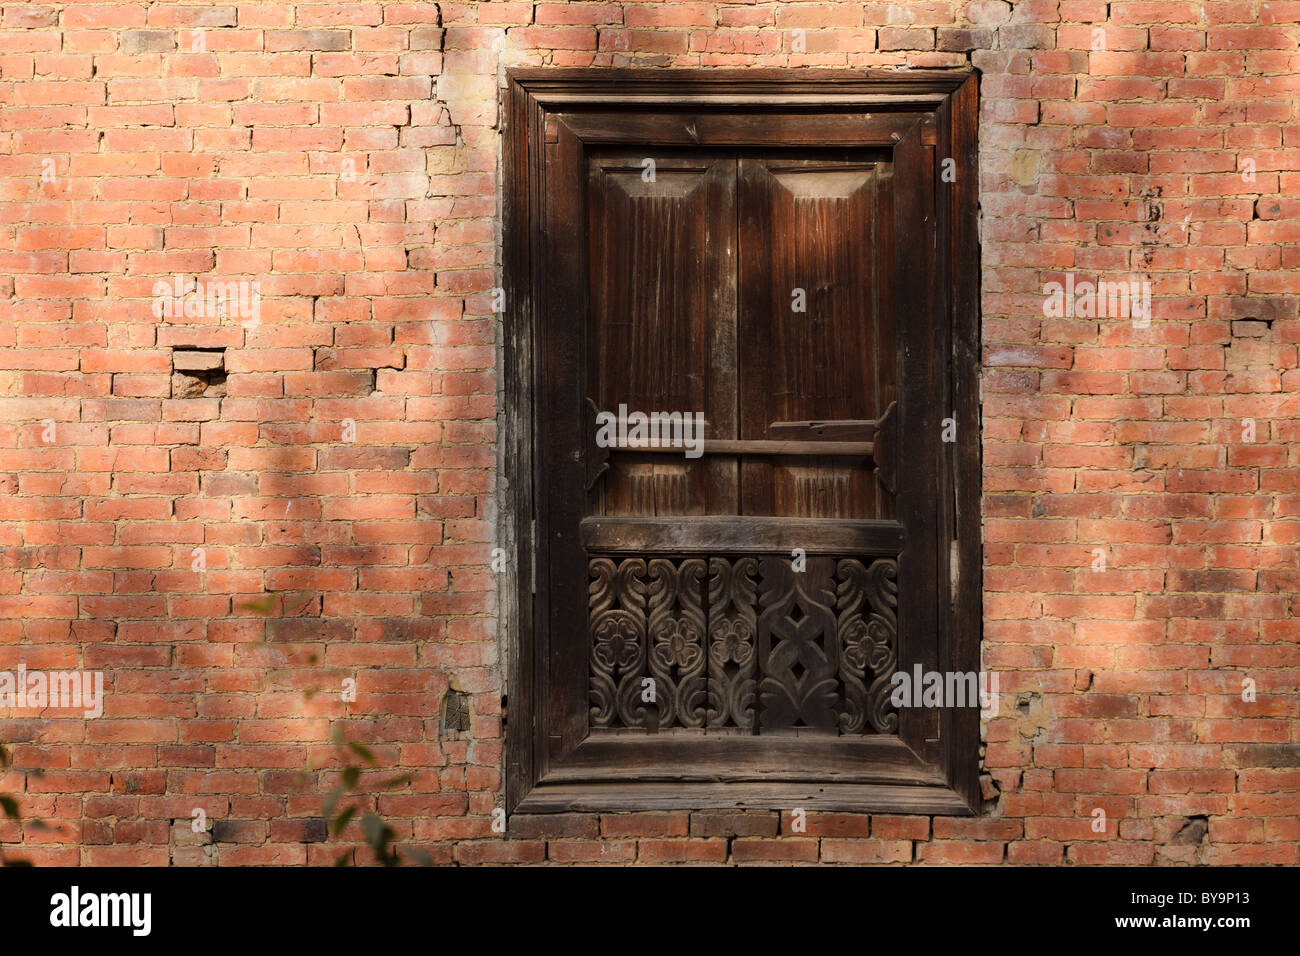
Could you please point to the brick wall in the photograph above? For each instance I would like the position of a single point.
(223, 502)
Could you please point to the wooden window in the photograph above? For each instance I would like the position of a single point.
(776, 274)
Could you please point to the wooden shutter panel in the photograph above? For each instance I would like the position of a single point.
(814, 235)
(661, 332)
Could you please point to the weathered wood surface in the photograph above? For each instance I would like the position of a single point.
(675, 291)
(743, 534)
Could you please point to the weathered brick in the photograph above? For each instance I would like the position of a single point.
(553, 826)
(706, 824)
(866, 851)
(643, 825)
(278, 41)
(148, 41)
(758, 850)
(658, 852)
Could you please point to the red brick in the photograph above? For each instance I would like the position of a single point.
(758, 850)
(866, 851)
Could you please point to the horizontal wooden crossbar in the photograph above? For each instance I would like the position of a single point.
(732, 446)
(743, 534)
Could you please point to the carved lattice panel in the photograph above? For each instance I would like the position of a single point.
(676, 647)
(733, 631)
(748, 643)
(798, 645)
(616, 623)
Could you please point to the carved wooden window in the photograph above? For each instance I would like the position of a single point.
(712, 615)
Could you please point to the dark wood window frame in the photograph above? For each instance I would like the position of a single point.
(932, 766)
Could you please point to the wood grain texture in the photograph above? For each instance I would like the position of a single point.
(660, 281)
(745, 534)
(813, 312)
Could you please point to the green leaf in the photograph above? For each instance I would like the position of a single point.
(372, 825)
(260, 606)
(366, 753)
(338, 824)
(350, 776)
(9, 805)
(332, 800)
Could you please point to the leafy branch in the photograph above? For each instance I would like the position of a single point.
(349, 800)
(345, 802)
(9, 809)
